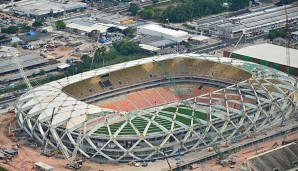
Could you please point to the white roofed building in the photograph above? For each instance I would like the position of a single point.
(44, 8)
(157, 30)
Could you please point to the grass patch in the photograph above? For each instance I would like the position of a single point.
(3, 169)
(141, 124)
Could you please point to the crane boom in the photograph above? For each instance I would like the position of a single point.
(48, 122)
(287, 40)
(287, 54)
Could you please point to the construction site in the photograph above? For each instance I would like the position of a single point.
(172, 112)
(169, 112)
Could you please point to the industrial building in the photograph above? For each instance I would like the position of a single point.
(252, 23)
(4, 50)
(33, 63)
(131, 112)
(87, 24)
(27, 61)
(269, 55)
(46, 8)
(118, 19)
(159, 31)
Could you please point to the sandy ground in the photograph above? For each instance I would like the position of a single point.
(242, 155)
(29, 155)
(2, 14)
(61, 53)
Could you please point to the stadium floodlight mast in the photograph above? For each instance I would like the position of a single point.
(63, 149)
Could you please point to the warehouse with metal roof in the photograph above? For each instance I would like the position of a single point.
(36, 9)
(254, 22)
(27, 61)
(157, 30)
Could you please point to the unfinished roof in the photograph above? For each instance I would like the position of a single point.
(282, 158)
(270, 52)
(50, 105)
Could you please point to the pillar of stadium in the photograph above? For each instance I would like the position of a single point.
(245, 87)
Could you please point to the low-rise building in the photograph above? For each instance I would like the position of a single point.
(45, 8)
(252, 23)
(159, 31)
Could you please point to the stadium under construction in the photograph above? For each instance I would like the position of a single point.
(172, 104)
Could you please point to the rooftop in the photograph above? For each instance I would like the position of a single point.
(149, 47)
(163, 30)
(88, 25)
(34, 7)
(270, 52)
(7, 64)
(258, 19)
(4, 50)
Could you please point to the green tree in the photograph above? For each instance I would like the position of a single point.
(42, 72)
(10, 30)
(128, 32)
(271, 35)
(99, 55)
(111, 54)
(75, 30)
(238, 4)
(86, 61)
(146, 13)
(94, 34)
(38, 23)
(154, 1)
(25, 28)
(133, 8)
(127, 48)
(190, 9)
(60, 24)
(3, 37)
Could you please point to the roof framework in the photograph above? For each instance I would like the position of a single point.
(263, 99)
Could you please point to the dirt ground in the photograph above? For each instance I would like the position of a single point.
(29, 155)
(2, 14)
(61, 53)
(244, 154)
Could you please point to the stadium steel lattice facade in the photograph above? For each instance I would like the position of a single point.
(238, 107)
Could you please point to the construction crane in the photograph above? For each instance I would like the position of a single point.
(71, 164)
(171, 169)
(287, 55)
(207, 136)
